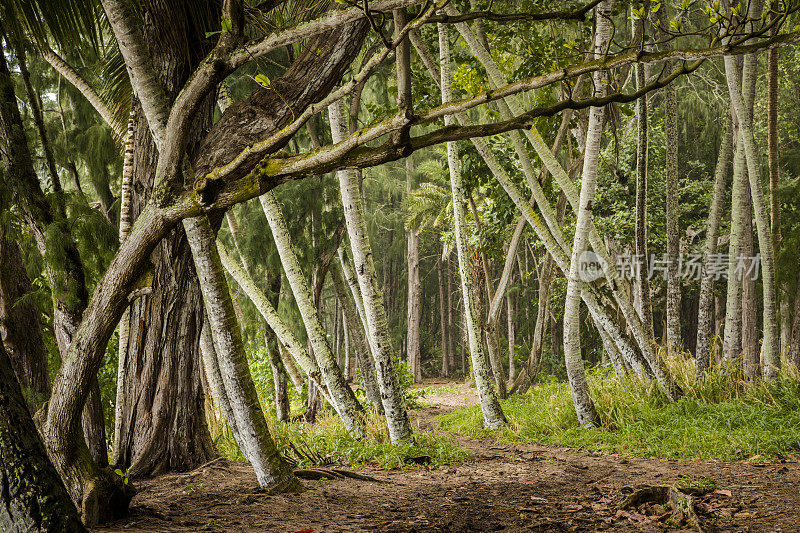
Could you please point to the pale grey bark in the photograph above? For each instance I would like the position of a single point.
(271, 469)
(372, 297)
(414, 315)
(344, 401)
(584, 407)
(732, 336)
(493, 416)
(125, 221)
(705, 308)
(739, 97)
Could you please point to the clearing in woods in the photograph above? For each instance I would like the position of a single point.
(501, 487)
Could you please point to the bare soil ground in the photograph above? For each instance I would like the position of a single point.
(502, 488)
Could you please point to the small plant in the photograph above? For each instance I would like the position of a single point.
(209, 524)
(123, 475)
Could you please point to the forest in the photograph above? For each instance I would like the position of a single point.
(399, 265)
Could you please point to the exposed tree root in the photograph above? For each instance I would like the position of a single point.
(332, 473)
(681, 500)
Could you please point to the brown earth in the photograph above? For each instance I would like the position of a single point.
(502, 488)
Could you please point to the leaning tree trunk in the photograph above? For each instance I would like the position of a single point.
(33, 497)
(162, 430)
(342, 396)
(272, 471)
(493, 416)
(584, 407)
(741, 98)
(705, 309)
(414, 290)
(374, 311)
(355, 333)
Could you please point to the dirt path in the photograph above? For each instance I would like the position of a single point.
(511, 488)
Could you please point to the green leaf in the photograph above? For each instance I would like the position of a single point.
(263, 80)
(226, 24)
(655, 7)
(212, 33)
(119, 472)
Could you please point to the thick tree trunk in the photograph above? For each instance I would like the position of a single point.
(20, 326)
(33, 498)
(493, 416)
(271, 469)
(705, 309)
(160, 430)
(741, 98)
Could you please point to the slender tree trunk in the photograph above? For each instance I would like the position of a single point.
(414, 290)
(740, 100)
(374, 311)
(443, 312)
(584, 407)
(279, 379)
(356, 335)
(750, 347)
(794, 346)
(641, 281)
(512, 369)
(673, 309)
(493, 416)
(33, 498)
(344, 401)
(705, 310)
(732, 339)
(125, 222)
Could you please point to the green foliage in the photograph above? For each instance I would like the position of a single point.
(722, 418)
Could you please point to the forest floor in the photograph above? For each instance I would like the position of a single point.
(501, 487)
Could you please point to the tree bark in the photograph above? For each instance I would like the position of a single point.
(705, 310)
(493, 416)
(344, 401)
(272, 471)
(33, 497)
(584, 407)
(20, 325)
(445, 372)
(374, 311)
(414, 290)
(750, 346)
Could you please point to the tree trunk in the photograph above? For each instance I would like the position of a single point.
(279, 380)
(732, 336)
(374, 311)
(356, 334)
(443, 312)
(414, 290)
(493, 416)
(705, 310)
(741, 97)
(20, 325)
(512, 369)
(33, 498)
(344, 401)
(271, 469)
(673, 309)
(750, 347)
(584, 407)
(160, 430)
(641, 282)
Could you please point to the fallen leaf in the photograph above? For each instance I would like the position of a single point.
(573, 507)
(723, 492)
(537, 499)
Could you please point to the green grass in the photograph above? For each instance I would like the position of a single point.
(720, 418)
(328, 442)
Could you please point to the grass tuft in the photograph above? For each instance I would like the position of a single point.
(722, 417)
